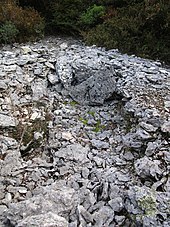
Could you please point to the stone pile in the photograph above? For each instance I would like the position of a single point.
(84, 137)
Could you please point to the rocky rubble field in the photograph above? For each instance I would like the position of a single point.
(84, 137)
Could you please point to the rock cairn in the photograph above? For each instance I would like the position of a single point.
(84, 137)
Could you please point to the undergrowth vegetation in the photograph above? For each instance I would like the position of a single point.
(8, 32)
(142, 29)
(18, 24)
(139, 27)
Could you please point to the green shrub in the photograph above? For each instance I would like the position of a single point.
(141, 29)
(27, 21)
(92, 16)
(65, 15)
(30, 25)
(8, 32)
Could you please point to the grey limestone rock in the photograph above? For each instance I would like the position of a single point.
(74, 152)
(145, 204)
(84, 214)
(7, 121)
(143, 135)
(3, 86)
(85, 77)
(38, 71)
(3, 209)
(119, 219)
(166, 127)
(141, 200)
(103, 217)
(148, 127)
(84, 143)
(148, 167)
(10, 163)
(53, 79)
(151, 148)
(55, 197)
(155, 78)
(116, 204)
(26, 49)
(132, 140)
(99, 144)
(8, 143)
(48, 219)
(39, 89)
(95, 90)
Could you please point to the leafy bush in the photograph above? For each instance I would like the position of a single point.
(65, 15)
(92, 16)
(8, 32)
(30, 25)
(141, 29)
(27, 21)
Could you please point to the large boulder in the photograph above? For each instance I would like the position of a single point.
(95, 89)
(49, 206)
(89, 80)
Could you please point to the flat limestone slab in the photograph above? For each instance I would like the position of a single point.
(7, 121)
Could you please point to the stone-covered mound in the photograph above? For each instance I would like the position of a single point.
(84, 137)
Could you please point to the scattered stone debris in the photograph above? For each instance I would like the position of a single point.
(84, 137)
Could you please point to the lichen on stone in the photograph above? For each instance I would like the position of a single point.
(148, 205)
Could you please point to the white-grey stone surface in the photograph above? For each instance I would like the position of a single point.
(84, 137)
